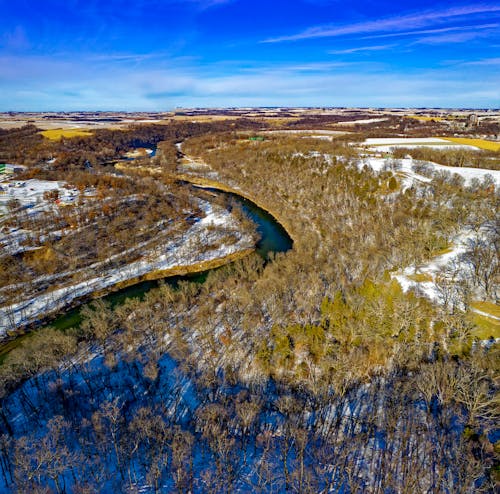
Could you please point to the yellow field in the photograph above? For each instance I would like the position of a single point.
(486, 326)
(479, 143)
(56, 134)
(487, 308)
(426, 119)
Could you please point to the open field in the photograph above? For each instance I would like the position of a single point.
(485, 327)
(385, 144)
(426, 119)
(56, 134)
(479, 143)
(80, 120)
(488, 308)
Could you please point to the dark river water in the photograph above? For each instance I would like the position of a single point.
(273, 239)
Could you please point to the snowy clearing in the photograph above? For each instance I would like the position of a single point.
(363, 122)
(384, 141)
(30, 193)
(443, 274)
(315, 132)
(451, 259)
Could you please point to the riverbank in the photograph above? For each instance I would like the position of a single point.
(7, 344)
(207, 183)
(207, 244)
(273, 238)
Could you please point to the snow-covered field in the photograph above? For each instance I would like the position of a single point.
(364, 121)
(182, 250)
(405, 166)
(384, 144)
(315, 132)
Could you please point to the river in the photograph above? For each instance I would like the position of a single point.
(273, 239)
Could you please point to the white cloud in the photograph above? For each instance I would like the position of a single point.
(484, 62)
(360, 49)
(397, 23)
(475, 27)
(41, 83)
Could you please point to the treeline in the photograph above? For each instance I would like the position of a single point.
(26, 146)
(452, 157)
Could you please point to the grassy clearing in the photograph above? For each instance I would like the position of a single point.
(479, 143)
(420, 277)
(56, 134)
(487, 307)
(485, 327)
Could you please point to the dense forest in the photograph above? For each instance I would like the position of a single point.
(313, 372)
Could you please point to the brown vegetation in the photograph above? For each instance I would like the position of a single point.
(311, 373)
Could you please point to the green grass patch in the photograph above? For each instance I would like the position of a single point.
(487, 307)
(485, 327)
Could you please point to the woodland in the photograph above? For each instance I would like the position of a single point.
(312, 371)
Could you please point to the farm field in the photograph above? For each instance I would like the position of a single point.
(385, 144)
(478, 143)
(56, 134)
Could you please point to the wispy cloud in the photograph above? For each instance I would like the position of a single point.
(360, 49)
(475, 27)
(484, 62)
(451, 38)
(125, 57)
(397, 23)
(200, 4)
(42, 83)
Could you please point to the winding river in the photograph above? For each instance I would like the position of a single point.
(273, 239)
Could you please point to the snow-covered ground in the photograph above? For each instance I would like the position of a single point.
(30, 193)
(450, 260)
(382, 141)
(384, 144)
(363, 121)
(449, 269)
(182, 250)
(405, 166)
(137, 153)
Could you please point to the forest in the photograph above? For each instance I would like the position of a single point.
(310, 372)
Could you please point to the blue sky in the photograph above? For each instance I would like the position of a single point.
(155, 55)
